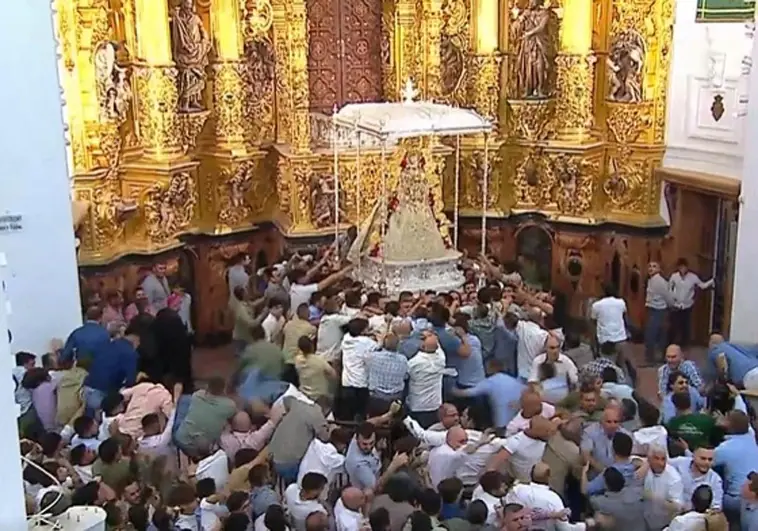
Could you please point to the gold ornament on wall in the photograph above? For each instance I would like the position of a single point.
(260, 74)
(532, 121)
(322, 191)
(113, 90)
(259, 17)
(170, 207)
(572, 183)
(233, 190)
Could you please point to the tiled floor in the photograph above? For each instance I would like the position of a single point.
(219, 361)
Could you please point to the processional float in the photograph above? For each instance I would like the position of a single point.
(401, 248)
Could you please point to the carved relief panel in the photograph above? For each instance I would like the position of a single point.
(344, 63)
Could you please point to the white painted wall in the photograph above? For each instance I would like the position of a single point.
(41, 277)
(743, 328)
(707, 61)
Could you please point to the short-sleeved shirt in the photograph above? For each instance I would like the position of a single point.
(301, 294)
(311, 370)
(205, 421)
(609, 314)
(362, 469)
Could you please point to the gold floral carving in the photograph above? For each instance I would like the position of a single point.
(189, 126)
(625, 184)
(432, 33)
(259, 17)
(282, 80)
(485, 81)
(575, 80)
(157, 98)
(663, 36)
(532, 121)
(530, 180)
(107, 215)
(475, 179)
(409, 22)
(298, 68)
(571, 186)
(229, 90)
(260, 73)
(233, 190)
(626, 122)
(170, 207)
(322, 191)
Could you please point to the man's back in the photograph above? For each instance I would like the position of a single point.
(206, 418)
(624, 507)
(296, 430)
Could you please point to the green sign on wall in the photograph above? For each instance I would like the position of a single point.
(725, 11)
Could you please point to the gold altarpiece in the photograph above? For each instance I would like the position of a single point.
(217, 135)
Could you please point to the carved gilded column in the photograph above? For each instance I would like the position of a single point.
(283, 81)
(408, 45)
(300, 140)
(484, 83)
(433, 34)
(575, 72)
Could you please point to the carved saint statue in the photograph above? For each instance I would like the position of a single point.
(535, 54)
(191, 46)
(322, 202)
(625, 63)
(114, 93)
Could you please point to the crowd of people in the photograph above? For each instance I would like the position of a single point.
(477, 409)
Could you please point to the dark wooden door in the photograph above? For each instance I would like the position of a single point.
(344, 59)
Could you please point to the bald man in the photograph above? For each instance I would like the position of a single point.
(531, 406)
(738, 363)
(542, 500)
(445, 459)
(347, 511)
(597, 439)
(675, 362)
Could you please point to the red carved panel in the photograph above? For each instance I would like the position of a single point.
(361, 33)
(324, 76)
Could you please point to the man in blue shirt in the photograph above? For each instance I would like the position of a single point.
(749, 512)
(88, 338)
(502, 391)
(736, 457)
(622, 461)
(112, 367)
(455, 345)
(741, 362)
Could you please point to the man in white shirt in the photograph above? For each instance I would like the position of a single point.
(609, 314)
(531, 342)
(216, 466)
(564, 366)
(156, 442)
(663, 489)
(490, 491)
(683, 283)
(445, 459)
(327, 459)
(302, 500)
(156, 288)
(657, 301)
(531, 406)
(237, 276)
(525, 449)
(548, 510)
(347, 510)
(425, 372)
(274, 322)
(330, 330)
(301, 288)
(356, 347)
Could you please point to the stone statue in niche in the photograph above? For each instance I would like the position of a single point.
(113, 89)
(626, 62)
(191, 46)
(535, 33)
(322, 202)
(261, 64)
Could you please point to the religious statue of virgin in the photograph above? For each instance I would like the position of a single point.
(411, 231)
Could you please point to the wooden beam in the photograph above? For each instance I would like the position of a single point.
(707, 183)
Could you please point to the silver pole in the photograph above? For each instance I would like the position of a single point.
(485, 186)
(384, 212)
(336, 181)
(358, 186)
(457, 189)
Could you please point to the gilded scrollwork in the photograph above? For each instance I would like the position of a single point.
(532, 121)
(259, 78)
(626, 123)
(232, 190)
(530, 180)
(229, 89)
(169, 208)
(625, 184)
(156, 91)
(572, 183)
(575, 80)
(485, 92)
(387, 50)
(453, 46)
(475, 179)
(259, 17)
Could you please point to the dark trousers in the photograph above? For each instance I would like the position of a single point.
(352, 403)
(289, 375)
(654, 334)
(680, 327)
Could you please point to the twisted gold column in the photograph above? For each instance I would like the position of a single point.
(407, 44)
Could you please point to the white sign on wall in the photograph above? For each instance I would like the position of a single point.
(11, 223)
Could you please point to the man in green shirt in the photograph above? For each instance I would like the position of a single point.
(208, 413)
(263, 355)
(696, 429)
